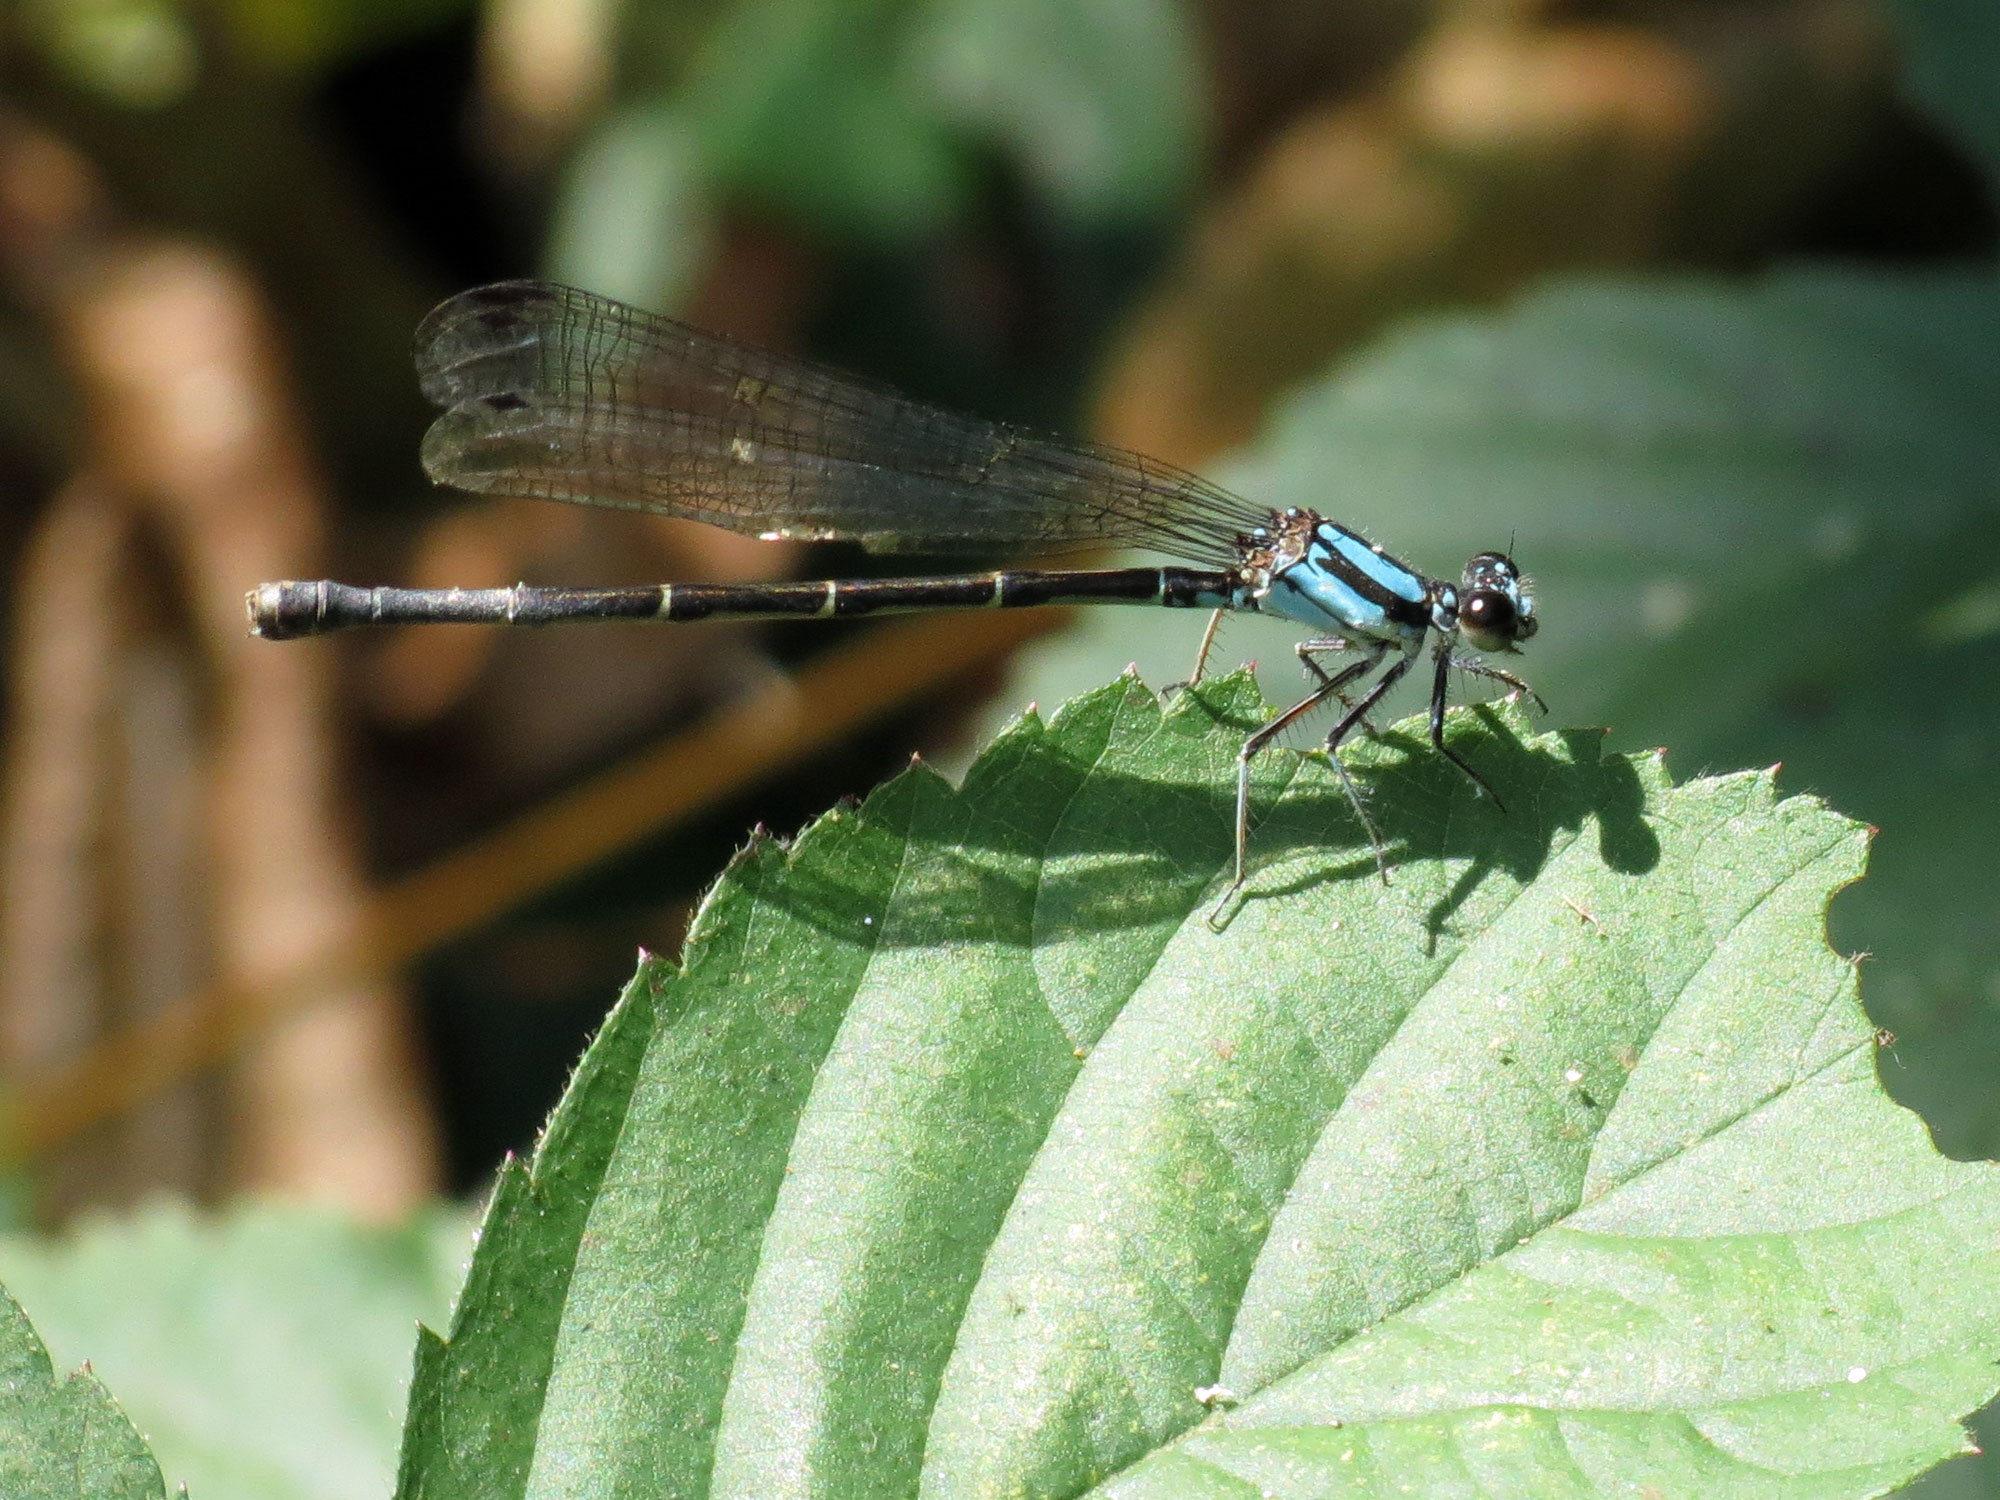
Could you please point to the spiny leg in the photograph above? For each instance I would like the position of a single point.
(1358, 714)
(1309, 653)
(1474, 668)
(1361, 812)
(1208, 635)
(1207, 641)
(1438, 687)
(1333, 685)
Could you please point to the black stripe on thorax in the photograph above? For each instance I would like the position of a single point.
(1400, 610)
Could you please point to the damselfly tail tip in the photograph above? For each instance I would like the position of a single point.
(291, 610)
(271, 611)
(254, 608)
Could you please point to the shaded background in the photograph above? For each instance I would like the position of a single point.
(1692, 301)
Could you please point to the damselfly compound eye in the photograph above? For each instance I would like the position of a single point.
(1489, 612)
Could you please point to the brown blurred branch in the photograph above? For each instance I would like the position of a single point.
(780, 724)
(194, 438)
(65, 633)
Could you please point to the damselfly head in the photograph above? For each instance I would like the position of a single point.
(1495, 610)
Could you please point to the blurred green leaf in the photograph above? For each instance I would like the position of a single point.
(867, 119)
(147, 54)
(140, 54)
(1096, 100)
(263, 1353)
(1952, 62)
(802, 107)
(633, 220)
(63, 1439)
(964, 1155)
(1750, 511)
(307, 34)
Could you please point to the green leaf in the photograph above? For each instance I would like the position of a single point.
(139, 54)
(633, 220)
(314, 34)
(1098, 101)
(1761, 519)
(476, 1399)
(264, 1353)
(965, 1157)
(1951, 59)
(873, 119)
(63, 1439)
(802, 106)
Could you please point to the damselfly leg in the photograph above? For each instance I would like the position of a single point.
(1474, 668)
(1355, 712)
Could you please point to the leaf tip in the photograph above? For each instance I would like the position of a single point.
(920, 770)
(744, 859)
(1234, 697)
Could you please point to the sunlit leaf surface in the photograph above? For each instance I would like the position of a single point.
(964, 1158)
